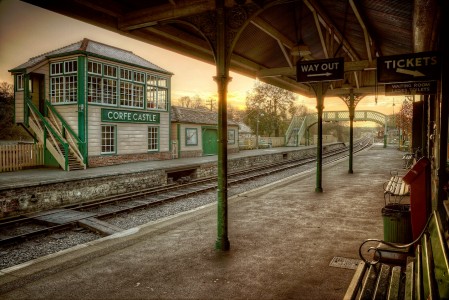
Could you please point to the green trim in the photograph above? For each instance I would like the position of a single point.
(178, 138)
(170, 146)
(19, 70)
(86, 118)
(82, 106)
(193, 133)
(26, 100)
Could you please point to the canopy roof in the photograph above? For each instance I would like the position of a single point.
(268, 37)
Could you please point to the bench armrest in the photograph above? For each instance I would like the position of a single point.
(377, 248)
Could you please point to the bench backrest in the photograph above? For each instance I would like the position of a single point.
(433, 262)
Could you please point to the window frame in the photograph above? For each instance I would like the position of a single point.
(192, 133)
(66, 82)
(156, 139)
(114, 145)
(157, 92)
(20, 78)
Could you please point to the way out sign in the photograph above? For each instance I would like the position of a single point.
(320, 70)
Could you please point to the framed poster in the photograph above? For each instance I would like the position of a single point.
(191, 136)
(231, 136)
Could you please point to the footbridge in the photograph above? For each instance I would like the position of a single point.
(300, 125)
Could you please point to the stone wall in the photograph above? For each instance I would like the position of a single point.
(48, 196)
(23, 200)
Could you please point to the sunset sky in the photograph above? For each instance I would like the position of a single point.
(27, 31)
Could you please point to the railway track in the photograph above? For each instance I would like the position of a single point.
(90, 215)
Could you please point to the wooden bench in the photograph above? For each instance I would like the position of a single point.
(396, 188)
(424, 275)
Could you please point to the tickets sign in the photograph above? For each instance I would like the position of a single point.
(421, 66)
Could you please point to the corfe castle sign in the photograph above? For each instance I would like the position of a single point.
(124, 116)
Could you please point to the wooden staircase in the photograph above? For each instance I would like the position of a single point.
(58, 138)
(74, 157)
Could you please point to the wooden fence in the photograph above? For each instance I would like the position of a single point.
(17, 157)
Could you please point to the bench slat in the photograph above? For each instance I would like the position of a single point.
(356, 282)
(439, 258)
(418, 290)
(395, 283)
(428, 287)
(369, 284)
(382, 283)
(409, 281)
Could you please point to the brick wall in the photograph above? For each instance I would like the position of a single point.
(109, 160)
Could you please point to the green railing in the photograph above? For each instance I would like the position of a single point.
(77, 146)
(48, 133)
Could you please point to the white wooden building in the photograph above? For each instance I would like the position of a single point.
(195, 132)
(91, 104)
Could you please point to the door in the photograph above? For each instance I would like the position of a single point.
(37, 91)
(210, 144)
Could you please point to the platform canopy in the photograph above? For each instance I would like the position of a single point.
(267, 38)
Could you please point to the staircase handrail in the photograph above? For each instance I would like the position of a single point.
(293, 124)
(53, 133)
(64, 122)
(73, 139)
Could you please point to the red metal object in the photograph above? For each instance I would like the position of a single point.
(420, 203)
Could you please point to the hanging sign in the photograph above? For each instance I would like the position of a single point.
(129, 116)
(411, 88)
(320, 70)
(420, 66)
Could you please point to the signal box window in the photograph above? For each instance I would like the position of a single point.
(108, 139)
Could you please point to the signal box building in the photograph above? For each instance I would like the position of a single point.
(195, 132)
(91, 104)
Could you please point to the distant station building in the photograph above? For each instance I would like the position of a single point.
(91, 104)
(195, 132)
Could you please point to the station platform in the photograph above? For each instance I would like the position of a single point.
(39, 176)
(283, 238)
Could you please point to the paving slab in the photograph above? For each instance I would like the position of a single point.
(283, 238)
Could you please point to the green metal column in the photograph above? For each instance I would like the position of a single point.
(222, 80)
(319, 92)
(351, 128)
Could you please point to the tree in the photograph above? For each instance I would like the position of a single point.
(195, 102)
(404, 118)
(267, 108)
(9, 131)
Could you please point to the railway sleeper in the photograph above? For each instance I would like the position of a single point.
(98, 226)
